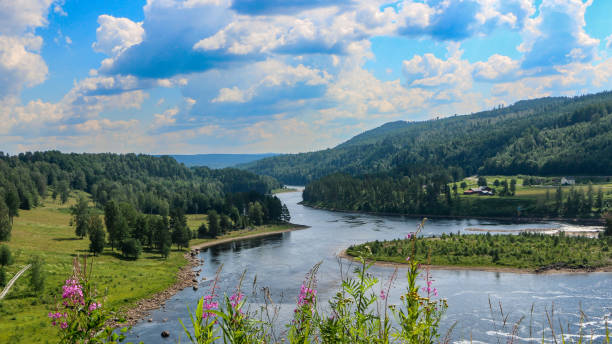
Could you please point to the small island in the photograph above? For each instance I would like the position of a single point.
(528, 252)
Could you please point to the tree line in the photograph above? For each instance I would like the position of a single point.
(137, 187)
(437, 193)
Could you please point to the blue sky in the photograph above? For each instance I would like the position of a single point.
(250, 76)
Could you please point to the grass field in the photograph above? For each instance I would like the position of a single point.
(45, 231)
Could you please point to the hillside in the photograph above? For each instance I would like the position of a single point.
(218, 160)
(544, 136)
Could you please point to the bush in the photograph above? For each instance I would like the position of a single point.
(3, 277)
(5, 256)
(37, 275)
(202, 231)
(97, 239)
(131, 248)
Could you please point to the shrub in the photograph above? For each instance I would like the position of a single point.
(202, 231)
(5, 256)
(37, 275)
(131, 248)
(3, 277)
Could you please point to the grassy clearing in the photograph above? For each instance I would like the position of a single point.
(45, 231)
(524, 251)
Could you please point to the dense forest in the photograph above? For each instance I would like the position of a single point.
(143, 198)
(546, 136)
(435, 193)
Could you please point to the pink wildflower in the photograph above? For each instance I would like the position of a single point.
(383, 295)
(64, 325)
(94, 306)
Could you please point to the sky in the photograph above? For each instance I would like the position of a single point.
(284, 76)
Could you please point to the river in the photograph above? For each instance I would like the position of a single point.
(281, 261)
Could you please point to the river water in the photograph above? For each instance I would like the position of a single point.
(281, 261)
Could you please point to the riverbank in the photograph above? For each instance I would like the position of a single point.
(188, 277)
(576, 221)
(344, 255)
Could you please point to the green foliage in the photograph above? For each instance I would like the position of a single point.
(37, 275)
(97, 235)
(80, 213)
(131, 248)
(214, 227)
(3, 277)
(202, 231)
(608, 229)
(6, 258)
(526, 250)
(547, 136)
(80, 315)
(429, 194)
(5, 222)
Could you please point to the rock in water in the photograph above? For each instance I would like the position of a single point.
(165, 334)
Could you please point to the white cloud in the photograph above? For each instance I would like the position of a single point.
(96, 125)
(16, 17)
(428, 71)
(115, 35)
(272, 74)
(557, 36)
(497, 68)
(609, 42)
(233, 95)
(20, 66)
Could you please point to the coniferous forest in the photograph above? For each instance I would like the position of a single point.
(143, 197)
(546, 136)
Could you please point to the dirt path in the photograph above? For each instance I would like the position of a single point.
(13, 280)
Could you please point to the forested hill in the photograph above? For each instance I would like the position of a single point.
(553, 135)
(218, 160)
(151, 184)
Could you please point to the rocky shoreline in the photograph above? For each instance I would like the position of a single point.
(186, 277)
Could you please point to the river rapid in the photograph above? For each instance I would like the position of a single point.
(281, 261)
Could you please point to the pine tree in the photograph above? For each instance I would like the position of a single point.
(600, 200)
(37, 275)
(80, 213)
(97, 235)
(6, 258)
(213, 224)
(12, 202)
(5, 222)
(111, 220)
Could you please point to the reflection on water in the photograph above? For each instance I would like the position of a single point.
(281, 261)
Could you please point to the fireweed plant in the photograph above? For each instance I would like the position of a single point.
(356, 313)
(360, 312)
(79, 313)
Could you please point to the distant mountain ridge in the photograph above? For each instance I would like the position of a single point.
(218, 160)
(552, 135)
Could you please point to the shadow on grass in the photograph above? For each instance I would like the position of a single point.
(67, 239)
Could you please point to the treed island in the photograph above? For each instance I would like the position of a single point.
(135, 213)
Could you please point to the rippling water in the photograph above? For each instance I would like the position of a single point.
(281, 261)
